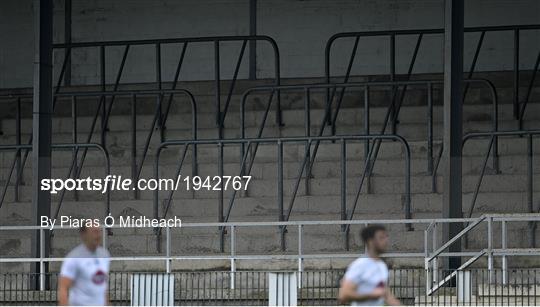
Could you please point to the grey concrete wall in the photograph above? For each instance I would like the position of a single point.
(301, 29)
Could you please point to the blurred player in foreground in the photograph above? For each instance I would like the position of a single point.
(366, 279)
(85, 271)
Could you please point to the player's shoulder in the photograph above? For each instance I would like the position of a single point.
(103, 252)
(359, 262)
(77, 252)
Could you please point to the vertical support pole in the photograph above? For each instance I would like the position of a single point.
(430, 129)
(453, 130)
(42, 127)
(134, 142)
(307, 127)
(67, 39)
(464, 286)
(490, 249)
(233, 254)
(217, 76)
(104, 231)
(367, 132)
(18, 140)
(393, 108)
(344, 228)
(426, 256)
(168, 248)
(530, 187)
(516, 74)
(103, 80)
(504, 245)
(160, 96)
(221, 217)
(281, 216)
(300, 259)
(74, 132)
(41, 256)
(435, 264)
(252, 43)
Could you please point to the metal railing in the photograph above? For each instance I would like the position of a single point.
(245, 169)
(105, 107)
(158, 43)
(63, 146)
(430, 254)
(318, 287)
(493, 137)
(158, 123)
(432, 263)
(371, 152)
(519, 107)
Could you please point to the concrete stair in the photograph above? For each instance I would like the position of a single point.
(502, 192)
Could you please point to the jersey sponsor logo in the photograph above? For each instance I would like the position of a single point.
(99, 277)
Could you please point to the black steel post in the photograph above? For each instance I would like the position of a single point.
(41, 126)
(19, 156)
(67, 40)
(252, 43)
(453, 130)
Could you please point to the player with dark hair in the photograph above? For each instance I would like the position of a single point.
(84, 273)
(366, 279)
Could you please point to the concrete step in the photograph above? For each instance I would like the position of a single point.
(410, 131)
(249, 241)
(121, 155)
(317, 186)
(479, 118)
(265, 208)
(347, 116)
(380, 96)
(472, 165)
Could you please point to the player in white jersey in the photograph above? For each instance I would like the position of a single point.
(366, 279)
(85, 272)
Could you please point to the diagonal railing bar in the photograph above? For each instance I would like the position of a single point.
(330, 98)
(278, 142)
(103, 106)
(175, 79)
(178, 171)
(311, 158)
(529, 91)
(514, 29)
(392, 112)
(76, 166)
(215, 40)
(473, 63)
(231, 88)
(407, 78)
(64, 146)
(245, 152)
(492, 135)
(481, 177)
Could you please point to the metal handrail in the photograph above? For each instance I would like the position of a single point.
(370, 152)
(493, 135)
(299, 255)
(392, 34)
(158, 119)
(431, 258)
(283, 215)
(105, 111)
(434, 162)
(216, 40)
(72, 146)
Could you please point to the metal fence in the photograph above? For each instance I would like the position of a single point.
(316, 287)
